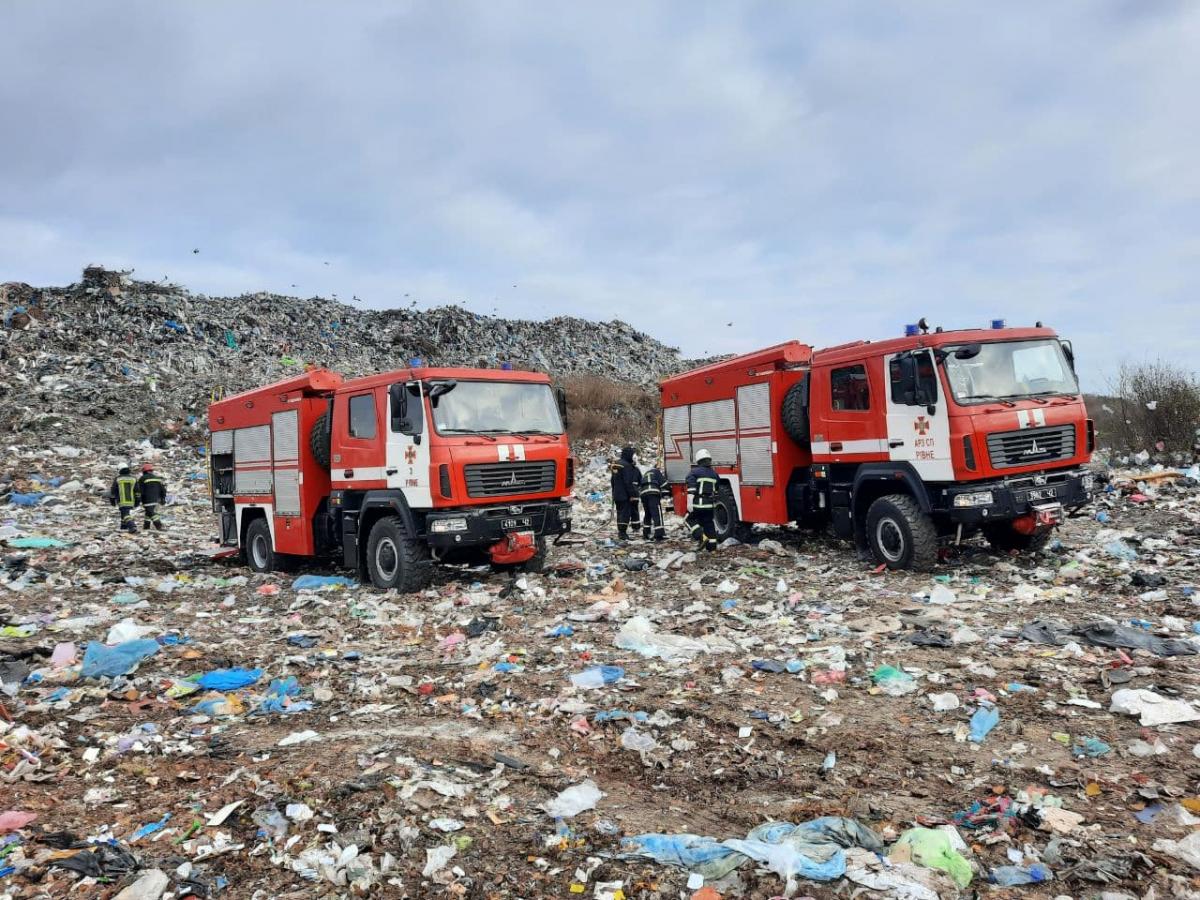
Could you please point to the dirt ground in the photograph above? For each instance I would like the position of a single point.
(448, 720)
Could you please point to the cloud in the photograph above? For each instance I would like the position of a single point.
(820, 172)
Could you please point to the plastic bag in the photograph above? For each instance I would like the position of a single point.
(127, 630)
(228, 679)
(100, 661)
(931, 848)
(597, 676)
(983, 721)
(574, 800)
(639, 636)
(316, 582)
(894, 682)
(1010, 876)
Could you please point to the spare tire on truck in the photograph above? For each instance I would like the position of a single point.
(794, 413)
(318, 440)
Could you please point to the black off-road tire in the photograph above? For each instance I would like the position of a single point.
(725, 513)
(396, 561)
(900, 535)
(318, 440)
(1004, 539)
(258, 551)
(794, 413)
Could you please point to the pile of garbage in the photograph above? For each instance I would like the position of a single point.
(638, 721)
(113, 355)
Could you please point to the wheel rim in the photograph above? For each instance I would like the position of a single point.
(387, 560)
(258, 547)
(721, 517)
(889, 538)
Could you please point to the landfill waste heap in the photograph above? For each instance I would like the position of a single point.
(636, 722)
(112, 355)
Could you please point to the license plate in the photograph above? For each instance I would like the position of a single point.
(521, 522)
(1048, 493)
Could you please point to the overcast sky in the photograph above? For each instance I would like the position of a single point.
(821, 171)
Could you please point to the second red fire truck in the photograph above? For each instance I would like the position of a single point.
(902, 445)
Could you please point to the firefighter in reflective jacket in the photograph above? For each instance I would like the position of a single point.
(124, 496)
(702, 482)
(152, 492)
(626, 479)
(651, 493)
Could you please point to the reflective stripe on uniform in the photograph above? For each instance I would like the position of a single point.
(126, 487)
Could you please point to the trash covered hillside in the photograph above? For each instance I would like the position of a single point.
(112, 355)
(777, 719)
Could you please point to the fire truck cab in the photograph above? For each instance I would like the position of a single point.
(391, 473)
(901, 445)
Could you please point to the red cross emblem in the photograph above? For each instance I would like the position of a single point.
(921, 425)
(410, 454)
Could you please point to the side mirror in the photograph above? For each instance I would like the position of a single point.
(399, 397)
(560, 396)
(970, 351)
(1069, 350)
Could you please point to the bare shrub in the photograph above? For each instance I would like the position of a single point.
(1155, 402)
(615, 411)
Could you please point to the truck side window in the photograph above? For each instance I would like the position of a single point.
(913, 379)
(849, 389)
(362, 416)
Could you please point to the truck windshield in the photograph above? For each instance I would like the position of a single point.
(1010, 370)
(495, 407)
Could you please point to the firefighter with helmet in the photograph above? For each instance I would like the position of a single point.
(702, 482)
(124, 496)
(626, 480)
(653, 483)
(152, 491)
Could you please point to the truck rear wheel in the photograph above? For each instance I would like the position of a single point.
(725, 515)
(318, 440)
(396, 561)
(900, 535)
(258, 551)
(1004, 538)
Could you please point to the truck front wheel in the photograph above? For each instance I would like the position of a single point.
(259, 553)
(395, 561)
(900, 535)
(1004, 538)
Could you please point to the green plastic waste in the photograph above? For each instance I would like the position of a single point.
(36, 543)
(931, 849)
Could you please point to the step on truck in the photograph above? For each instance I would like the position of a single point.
(902, 445)
(393, 473)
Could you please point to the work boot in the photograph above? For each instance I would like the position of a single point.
(623, 534)
(659, 537)
(645, 534)
(158, 525)
(145, 526)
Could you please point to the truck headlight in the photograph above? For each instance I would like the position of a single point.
(977, 498)
(1089, 482)
(442, 526)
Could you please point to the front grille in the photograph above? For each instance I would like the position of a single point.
(1031, 446)
(501, 479)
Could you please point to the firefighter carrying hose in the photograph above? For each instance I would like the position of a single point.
(626, 479)
(702, 482)
(152, 491)
(651, 494)
(124, 496)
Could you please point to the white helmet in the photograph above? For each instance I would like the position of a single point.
(702, 455)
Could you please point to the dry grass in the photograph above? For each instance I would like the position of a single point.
(603, 409)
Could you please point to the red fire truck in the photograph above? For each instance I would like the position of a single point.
(902, 445)
(393, 472)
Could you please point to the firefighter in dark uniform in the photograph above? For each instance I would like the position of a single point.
(152, 491)
(124, 496)
(626, 479)
(702, 483)
(651, 494)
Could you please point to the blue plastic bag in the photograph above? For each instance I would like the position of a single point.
(31, 499)
(36, 543)
(984, 720)
(228, 679)
(313, 582)
(102, 661)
